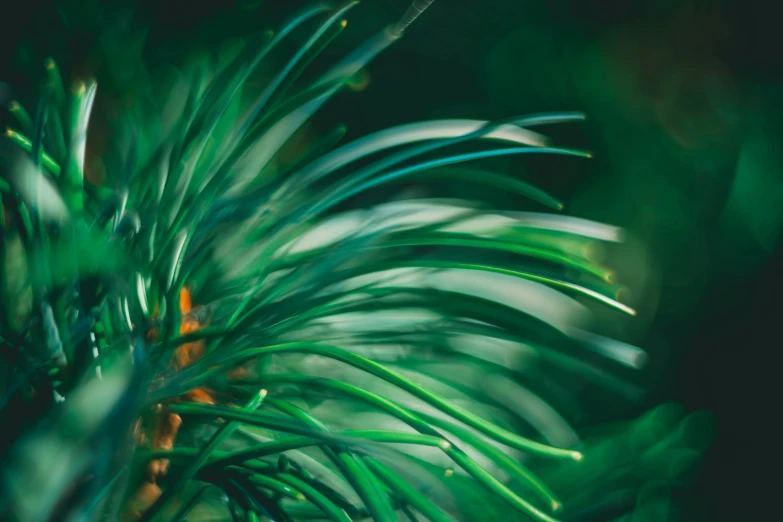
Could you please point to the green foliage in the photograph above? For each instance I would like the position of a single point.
(385, 361)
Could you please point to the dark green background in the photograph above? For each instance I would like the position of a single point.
(679, 94)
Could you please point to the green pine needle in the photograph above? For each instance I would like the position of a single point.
(413, 349)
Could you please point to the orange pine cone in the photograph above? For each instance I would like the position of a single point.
(168, 424)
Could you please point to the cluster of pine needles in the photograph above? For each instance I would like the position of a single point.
(211, 334)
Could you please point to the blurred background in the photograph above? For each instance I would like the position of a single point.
(684, 119)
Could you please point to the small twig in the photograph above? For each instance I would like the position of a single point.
(413, 12)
